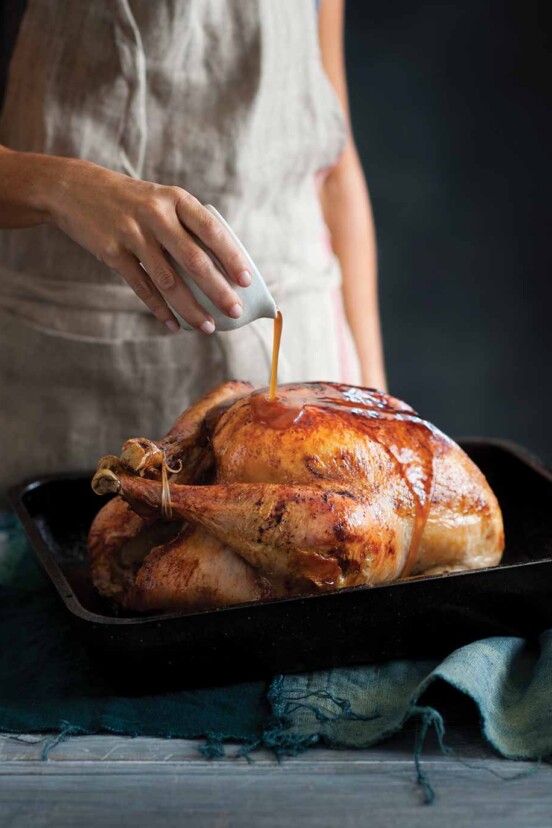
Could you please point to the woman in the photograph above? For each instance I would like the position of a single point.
(230, 102)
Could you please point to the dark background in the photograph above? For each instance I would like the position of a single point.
(452, 118)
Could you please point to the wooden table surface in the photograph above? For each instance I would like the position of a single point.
(105, 781)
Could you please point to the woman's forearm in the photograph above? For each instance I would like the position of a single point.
(348, 214)
(26, 179)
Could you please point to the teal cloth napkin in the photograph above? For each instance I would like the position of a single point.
(48, 682)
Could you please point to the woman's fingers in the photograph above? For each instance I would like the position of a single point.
(197, 264)
(135, 275)
(196, 218)
(173, 289)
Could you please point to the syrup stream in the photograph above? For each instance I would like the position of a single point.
(278, 324)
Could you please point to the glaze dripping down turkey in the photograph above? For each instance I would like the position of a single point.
(246, 499)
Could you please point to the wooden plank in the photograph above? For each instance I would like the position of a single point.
(119, 781)
(100, 748)
(270, 797)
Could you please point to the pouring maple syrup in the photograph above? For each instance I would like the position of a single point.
(278, 324)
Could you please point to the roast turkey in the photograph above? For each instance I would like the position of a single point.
(328, 486)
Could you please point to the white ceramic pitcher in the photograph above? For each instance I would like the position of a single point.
(257, 300)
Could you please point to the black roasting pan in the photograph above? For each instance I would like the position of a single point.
(422, 617)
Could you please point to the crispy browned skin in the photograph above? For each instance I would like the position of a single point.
(114, 526)
(192, 572)
(357, 490)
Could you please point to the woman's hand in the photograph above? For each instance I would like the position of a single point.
(130, 225)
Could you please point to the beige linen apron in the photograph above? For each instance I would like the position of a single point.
(226, 98)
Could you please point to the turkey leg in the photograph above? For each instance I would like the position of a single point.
(325, 536)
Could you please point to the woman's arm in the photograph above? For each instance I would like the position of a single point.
(348, 214)
(128, 225)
